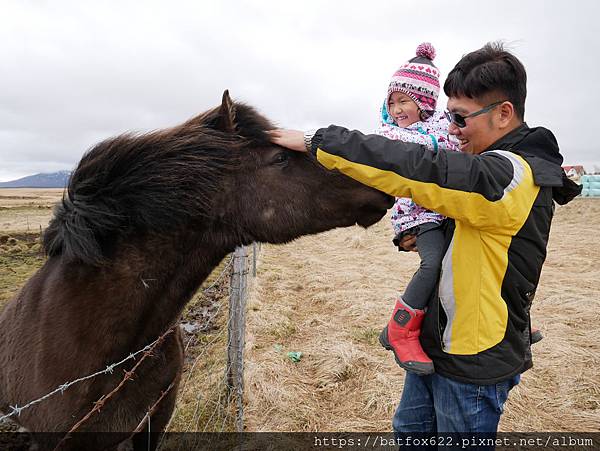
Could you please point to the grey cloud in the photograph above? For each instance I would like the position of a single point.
(74, 73)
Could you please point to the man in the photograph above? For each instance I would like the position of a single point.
(498, 193)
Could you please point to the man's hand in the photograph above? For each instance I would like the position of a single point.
(292, 139)
(408, 243)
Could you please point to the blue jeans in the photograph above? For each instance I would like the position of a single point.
(434, 403)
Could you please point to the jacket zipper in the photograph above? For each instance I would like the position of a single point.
(439, 325)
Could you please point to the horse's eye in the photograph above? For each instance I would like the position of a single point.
(281, 158)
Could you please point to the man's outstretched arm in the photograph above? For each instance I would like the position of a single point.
(487, 191)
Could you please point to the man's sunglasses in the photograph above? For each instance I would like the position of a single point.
(459, 120)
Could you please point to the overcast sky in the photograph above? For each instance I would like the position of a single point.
(74, 73)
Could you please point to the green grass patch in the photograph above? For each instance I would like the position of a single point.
(20, 257)
(369, 335)
(283, 330)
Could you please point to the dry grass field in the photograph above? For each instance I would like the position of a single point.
(328, 296)
(26, 209)
(23, 213)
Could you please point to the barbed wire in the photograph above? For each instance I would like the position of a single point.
(16, 410)
(196, 360)
(151, 410)
(128, 375)
(220, 276)
(221, 405)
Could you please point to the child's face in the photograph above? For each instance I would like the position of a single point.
(403, 109)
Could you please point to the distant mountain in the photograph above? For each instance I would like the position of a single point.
(54, 180)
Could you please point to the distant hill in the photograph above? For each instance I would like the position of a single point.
(53, 180)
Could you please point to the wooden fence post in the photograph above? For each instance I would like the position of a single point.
(236, 329)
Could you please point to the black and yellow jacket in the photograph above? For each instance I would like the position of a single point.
(477, 327)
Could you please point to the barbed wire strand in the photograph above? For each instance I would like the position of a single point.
(151, 411)
(220, 410)
(127, 376)
(190, 425)
(16, 410)
(208, 396)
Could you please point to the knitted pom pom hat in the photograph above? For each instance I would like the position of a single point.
(419, 79)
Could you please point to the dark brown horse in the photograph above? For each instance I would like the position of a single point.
(144, 221)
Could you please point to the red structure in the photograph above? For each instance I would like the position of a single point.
(574, 171)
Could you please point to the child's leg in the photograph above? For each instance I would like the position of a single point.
(401, 335)
(430, 244)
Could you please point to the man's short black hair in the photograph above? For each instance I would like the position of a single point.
(488, 73)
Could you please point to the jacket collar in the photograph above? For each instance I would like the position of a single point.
(540, 149)
(508, 141)
(538, 141)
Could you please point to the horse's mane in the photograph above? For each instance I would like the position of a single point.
(149, 182)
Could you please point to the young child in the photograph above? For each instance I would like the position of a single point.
(409, 114)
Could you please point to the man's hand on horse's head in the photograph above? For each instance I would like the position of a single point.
(291, 139)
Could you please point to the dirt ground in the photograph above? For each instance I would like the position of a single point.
(328, 296)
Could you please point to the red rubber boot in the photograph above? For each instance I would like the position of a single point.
(401, 335)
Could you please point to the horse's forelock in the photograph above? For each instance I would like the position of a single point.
(252, 125)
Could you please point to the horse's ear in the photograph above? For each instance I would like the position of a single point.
(226, 119)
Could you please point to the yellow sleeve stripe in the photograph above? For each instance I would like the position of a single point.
(508, 213)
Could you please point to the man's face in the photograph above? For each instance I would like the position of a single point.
(403, 109)
(480, 132)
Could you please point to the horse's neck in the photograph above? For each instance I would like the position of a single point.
(144, 289)
(169, 278)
